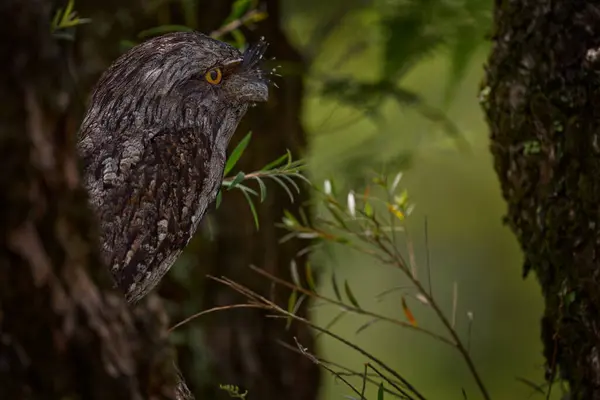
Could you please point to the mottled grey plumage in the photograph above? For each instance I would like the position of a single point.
(153, 145)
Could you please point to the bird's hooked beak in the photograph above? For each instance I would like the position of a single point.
(254, 85)
(253, 90)
(250, 84)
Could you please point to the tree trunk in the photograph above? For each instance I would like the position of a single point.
(542, 100)
(64, 333)
(242, 345)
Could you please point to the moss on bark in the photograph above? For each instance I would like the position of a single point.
(541, 96)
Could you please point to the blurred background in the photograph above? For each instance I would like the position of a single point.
(455, 191)
(364, 83)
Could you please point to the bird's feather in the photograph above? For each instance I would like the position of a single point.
(153, 148)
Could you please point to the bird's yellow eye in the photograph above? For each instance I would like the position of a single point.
(214, 76)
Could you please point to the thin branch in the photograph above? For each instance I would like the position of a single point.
(250, 16)
(427, 254)
(364, 380)
(211, 310)
(350, 307)
(454, 303)
(304, 351)
(256, 297)
(388, 380)
(442, 317)
(384, 244)
(348, 371)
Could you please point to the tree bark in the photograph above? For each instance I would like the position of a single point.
(64, 333)
(542, 102)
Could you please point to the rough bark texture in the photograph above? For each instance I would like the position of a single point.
(64, 333)
(242, 344)
(542, 100)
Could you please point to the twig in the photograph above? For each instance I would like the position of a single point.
(211, 310)
(270, 305)
(349, 371)
(235, 24)
(304, 351)
(388, 380)
(364, 382)
(427, 254)
(458, 343)
(292, 169)
(350, 307)
(454, 303)
(383, 243)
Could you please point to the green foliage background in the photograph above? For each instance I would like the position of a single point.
(435, 51)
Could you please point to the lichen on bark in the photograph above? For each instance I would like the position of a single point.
(541, 97)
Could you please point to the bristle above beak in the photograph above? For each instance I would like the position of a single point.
(254, 54)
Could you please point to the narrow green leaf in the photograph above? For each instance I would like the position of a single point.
(252, 209)
(68, 11)
(292, 182)
(238, 178)
(291, 307)
(309, 277)
(284, 186)
(299, 304)
(162, 29)
(55, 21)
(341, 240)
(303, 217)
(277, 162)
(336, 216)
(333, 321)
(289, 158)
(368, 209)
(288, 215)
(287, 237)
(402, 199)
(367, 325)
(81, 21)
(246, 189)
(238, 38)
(219, 199)
(380, 392)
(350, 295)
(237, 153)
(294, 273)
(293, 165)
(300, 176)
(238, 9)
(336, 289)
(263, 189)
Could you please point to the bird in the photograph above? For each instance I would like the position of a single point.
(153, 144)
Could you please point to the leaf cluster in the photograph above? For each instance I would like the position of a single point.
(282, 171)
(64, 19)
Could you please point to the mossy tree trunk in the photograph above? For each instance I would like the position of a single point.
(542, 100)
(64, 333)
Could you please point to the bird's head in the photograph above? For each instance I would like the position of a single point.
(179, 80)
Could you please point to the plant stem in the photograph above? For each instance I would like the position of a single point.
(440, 314)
